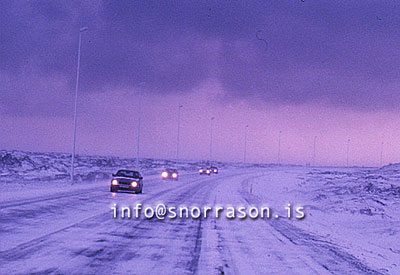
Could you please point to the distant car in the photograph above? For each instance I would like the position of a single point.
(170, 173)
(127, 180)
(214, 169)
(204, 171)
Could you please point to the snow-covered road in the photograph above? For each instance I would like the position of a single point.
(72, 230)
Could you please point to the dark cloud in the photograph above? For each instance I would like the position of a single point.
(340, 53)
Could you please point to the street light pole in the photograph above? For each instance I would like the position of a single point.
(279, 148)
(138, 130)
(179, 126)
(313, 160)
(211, 138)
(381, 160)
(348, 148)
(83, 29)
(245, 143)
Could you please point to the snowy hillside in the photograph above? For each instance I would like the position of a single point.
(352, 214)
(18, 166)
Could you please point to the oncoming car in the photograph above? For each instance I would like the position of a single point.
(127, 180)
(214, 170)
(170, 173)
(204, 171)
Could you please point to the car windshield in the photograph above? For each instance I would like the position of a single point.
(171, 170)
(126, 173)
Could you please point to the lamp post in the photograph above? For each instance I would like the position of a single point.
(348, 149)
(211, 138)
(139, 123)
(178, 135)
(83, 29)
(245, 143)
(313, 160)
(279, 148)
(138, 130)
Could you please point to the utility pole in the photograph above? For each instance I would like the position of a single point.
(313, 160)
(138, 130)
(83, 29)
(279, 148)
(179, 125)
(348, 148)
(245, 143)
(211, 138)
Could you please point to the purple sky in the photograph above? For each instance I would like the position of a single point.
(329, 69)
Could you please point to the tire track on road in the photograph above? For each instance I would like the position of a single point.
(49, 241)
(225, 263)
(42, 238)
(188, 196)
(43, 199)
(334, 260)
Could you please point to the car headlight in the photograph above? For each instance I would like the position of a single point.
(114, 182)
(174, 175)
(134, 184)
(201, 171)
(164, 174)
(208, 171)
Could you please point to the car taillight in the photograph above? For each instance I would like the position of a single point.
(114, 182)
(134, 183)
(174, 175)
(201, 171)
(164, 174)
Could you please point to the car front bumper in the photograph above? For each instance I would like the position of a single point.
(126, 187)
(170, 178)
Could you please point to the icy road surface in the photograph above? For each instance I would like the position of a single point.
(351, 226)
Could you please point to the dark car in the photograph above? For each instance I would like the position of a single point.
(170, 173)
(214, 169)
(204, 171)
(127, 180)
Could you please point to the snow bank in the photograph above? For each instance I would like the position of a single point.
(356, 209)
(18, 166)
